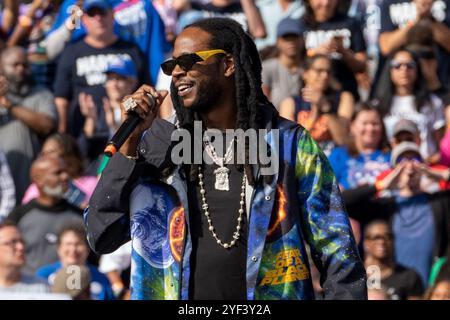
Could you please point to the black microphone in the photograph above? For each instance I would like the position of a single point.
(122, 134)
(124, 131)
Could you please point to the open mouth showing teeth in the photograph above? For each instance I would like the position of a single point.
(184, 88)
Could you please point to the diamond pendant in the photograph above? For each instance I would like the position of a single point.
(222, 181)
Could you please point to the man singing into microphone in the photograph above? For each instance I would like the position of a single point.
(222, 229)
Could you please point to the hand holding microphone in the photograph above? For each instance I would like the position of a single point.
(139, 110)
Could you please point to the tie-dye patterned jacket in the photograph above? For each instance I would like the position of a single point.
(302, 205)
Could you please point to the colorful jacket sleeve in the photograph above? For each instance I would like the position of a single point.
(107, 218)
(326, 225)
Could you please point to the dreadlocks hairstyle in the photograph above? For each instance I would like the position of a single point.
(228, 35)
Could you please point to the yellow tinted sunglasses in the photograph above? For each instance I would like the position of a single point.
(187, 61)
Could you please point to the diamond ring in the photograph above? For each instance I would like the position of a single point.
(130, 104)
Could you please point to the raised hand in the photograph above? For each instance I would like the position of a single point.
(434, 174)
(87, 105)
(146, 107)
(391, 180)
(109, 114)
(314, 97)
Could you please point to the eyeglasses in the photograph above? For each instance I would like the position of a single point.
(385, 237)
(410, 65)
(187, 61)
(12, 243)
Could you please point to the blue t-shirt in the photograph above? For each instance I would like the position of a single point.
(354, 171)
(414, 229)
(100, 285)
(136, 21)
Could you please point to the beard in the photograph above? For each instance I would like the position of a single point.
(204, 100)
(56, 192)
(19, 85)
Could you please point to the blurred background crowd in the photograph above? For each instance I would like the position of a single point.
(369, 79)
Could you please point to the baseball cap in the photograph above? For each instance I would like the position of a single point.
(72, 280)
(288, 26)
(122, 67)
(405, 125)
(102, 4)
(403, 148)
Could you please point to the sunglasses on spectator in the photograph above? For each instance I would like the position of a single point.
(410, 65)
(417, 158)
(385, 237)
(187, 61)
(96, 11)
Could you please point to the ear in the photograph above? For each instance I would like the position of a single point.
(229, 66)
(38, 182)
(58, 250)
(351, 128)
(83, 19)
(36, 176)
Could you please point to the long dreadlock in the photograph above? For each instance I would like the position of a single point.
(228, 35)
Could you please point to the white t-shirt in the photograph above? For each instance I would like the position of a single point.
(30, 288)
(404, 107)
(27, 284)
(118, 260)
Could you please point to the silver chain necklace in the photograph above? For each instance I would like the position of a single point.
(205, 208)
(222, 180)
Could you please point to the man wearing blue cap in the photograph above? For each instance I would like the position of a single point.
(281, 75)
(135, 20)
(121, 82)
(82, 70)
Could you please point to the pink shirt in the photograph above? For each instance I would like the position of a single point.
(86, 184)
(445, 149)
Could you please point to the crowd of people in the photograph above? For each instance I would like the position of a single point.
(367, 78)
